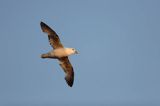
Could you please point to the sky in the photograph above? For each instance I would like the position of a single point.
(119, 52)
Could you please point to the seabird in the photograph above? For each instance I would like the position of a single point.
(59, 52)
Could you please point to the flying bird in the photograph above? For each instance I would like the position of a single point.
(59, 52)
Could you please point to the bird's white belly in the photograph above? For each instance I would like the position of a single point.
(60, 52)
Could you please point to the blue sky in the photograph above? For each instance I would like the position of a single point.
(118, 41)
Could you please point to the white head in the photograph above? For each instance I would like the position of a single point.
(71, 51)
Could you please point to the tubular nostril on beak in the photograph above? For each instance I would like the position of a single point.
(76, 52)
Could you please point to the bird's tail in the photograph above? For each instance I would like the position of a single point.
(45, 55)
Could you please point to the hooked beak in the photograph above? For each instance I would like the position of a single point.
(76, 52)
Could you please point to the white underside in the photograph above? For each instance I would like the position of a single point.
(62, 52)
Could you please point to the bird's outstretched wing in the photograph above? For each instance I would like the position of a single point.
(68, 69)
(52, 36)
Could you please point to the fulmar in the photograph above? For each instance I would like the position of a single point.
(59, 52)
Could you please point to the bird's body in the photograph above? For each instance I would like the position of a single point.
(60, 53)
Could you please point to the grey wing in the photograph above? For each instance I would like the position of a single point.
(52, 36)
(68, 69)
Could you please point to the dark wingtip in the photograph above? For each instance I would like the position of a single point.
(42, 24)
(70, 83)
(46, 28)
(69, 80)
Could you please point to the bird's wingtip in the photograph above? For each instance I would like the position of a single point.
(42, 23)
(69, 80)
